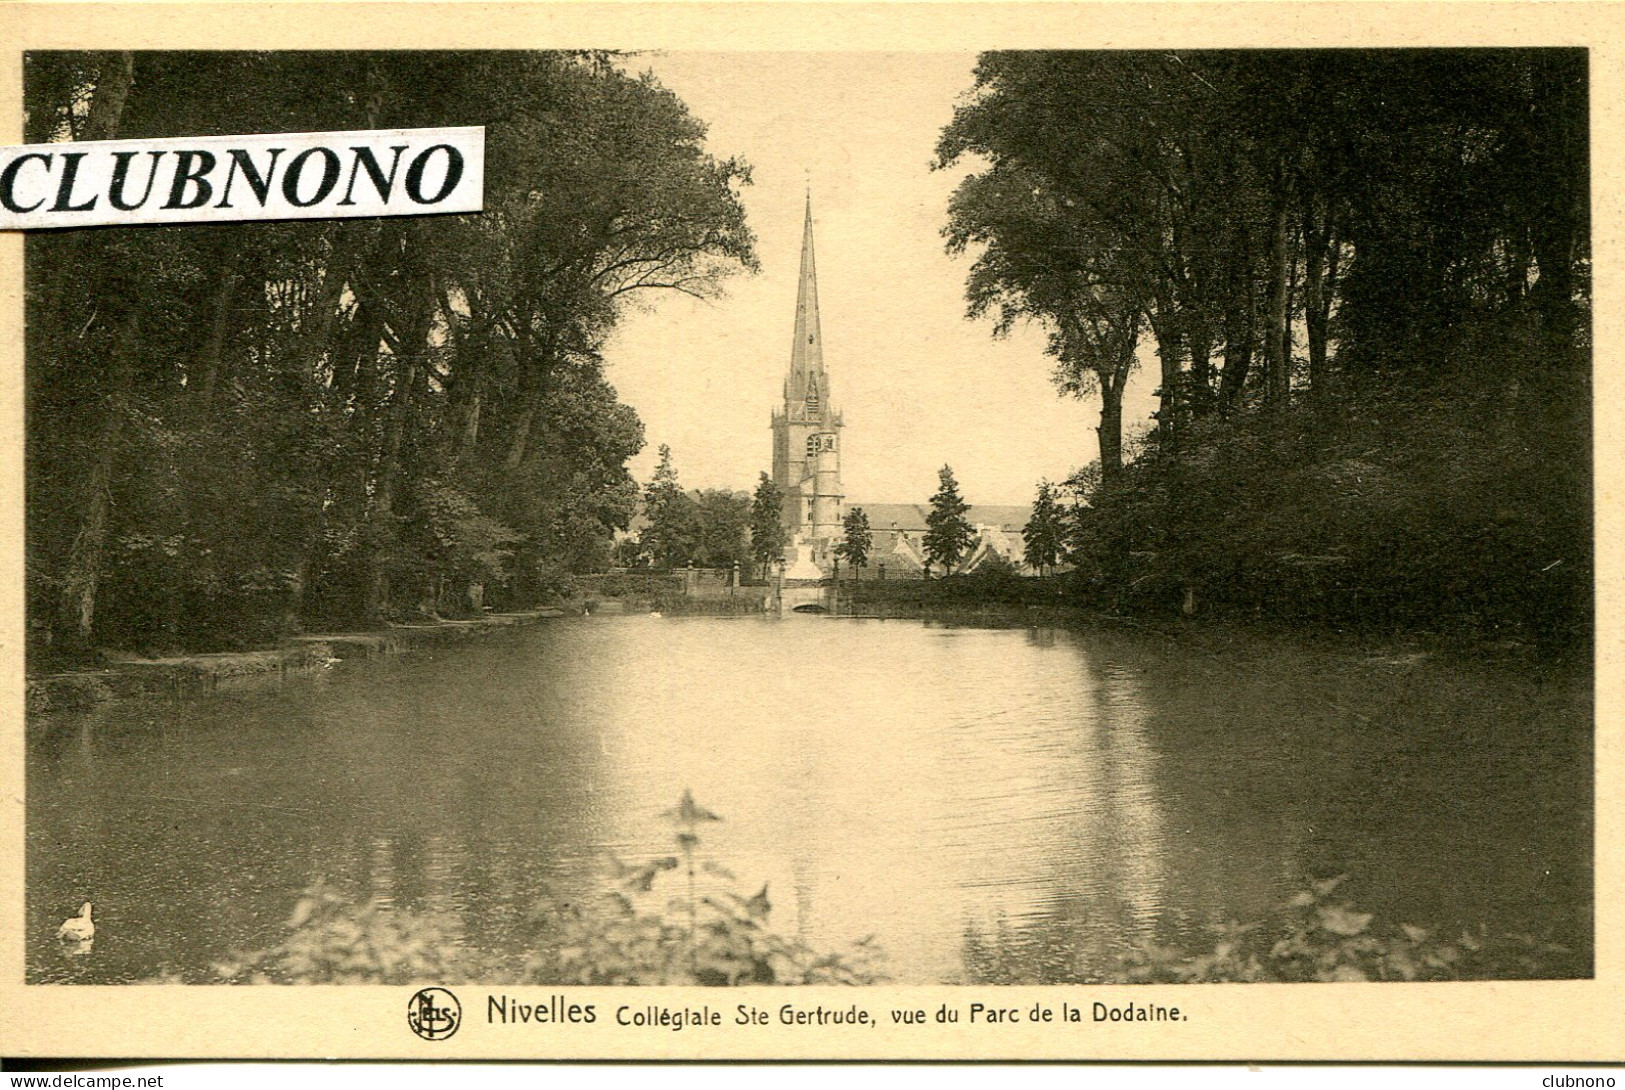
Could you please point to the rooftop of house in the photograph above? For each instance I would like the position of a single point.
(911, 516)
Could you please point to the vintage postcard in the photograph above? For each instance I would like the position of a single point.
(811, 531)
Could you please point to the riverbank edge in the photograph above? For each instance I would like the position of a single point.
(131, 676)
(1210, 631)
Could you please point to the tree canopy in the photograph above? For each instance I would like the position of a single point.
(1364, 275)
(1209, 198)
(767, 534)
(1044, 535)
(856, 540)
(261, 426)
(948, 535)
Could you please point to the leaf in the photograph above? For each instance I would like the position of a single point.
(688, 812)
(302, 912)
(759, 906)
(1342, 920)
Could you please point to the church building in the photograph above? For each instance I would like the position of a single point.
(807, 470)
(807, 430)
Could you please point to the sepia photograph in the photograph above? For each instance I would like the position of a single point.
(1053, 517)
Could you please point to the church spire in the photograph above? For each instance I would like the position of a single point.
(807, 432)
(807, 354)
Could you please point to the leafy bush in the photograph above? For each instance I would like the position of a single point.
(1424, 513)
(652, 923)
(634, 933)
(1321, 939)
(333, 941)
(631, 930)
(632, 584)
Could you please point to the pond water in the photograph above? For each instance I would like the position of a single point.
(990, 804)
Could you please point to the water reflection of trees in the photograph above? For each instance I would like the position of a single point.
(1105, 875)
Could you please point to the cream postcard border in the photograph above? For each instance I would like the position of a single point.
(1496, 1021)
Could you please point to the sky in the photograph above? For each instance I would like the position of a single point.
(920, 385)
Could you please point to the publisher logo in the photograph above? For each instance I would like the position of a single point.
(434, 1014)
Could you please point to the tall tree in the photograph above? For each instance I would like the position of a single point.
(1396, 203)
(1085, 222)
(722, 528)
(672, 534)
(767, 534)
(856, 540)
(281, 424)
(1045, 532)
(948, 535)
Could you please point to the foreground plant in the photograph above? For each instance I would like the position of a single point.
(628, 930)
(1320, 938)
(632, 932)
(332, 940)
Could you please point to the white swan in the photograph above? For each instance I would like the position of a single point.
(77, 928)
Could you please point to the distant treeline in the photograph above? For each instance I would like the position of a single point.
(240, 430)
(1365, 276)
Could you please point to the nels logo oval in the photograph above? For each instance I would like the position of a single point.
(434, 1014)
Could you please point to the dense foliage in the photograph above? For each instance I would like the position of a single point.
(857, 538)
(948, 535)
(1365, 279)
(1044, 536)
(703, 528)
(632, 929)
(768, 536)
(1318, 936)
(238, 430)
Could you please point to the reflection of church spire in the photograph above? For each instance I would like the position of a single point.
(808, 381)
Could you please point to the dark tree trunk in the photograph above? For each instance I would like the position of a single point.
(1278, 380)
(1319, 267)
(58, 272)
(1169, 352)
(469, 444)
(414, 343)
(212, 353)
(1238, 329)
(521, 435)
(1201, 377)
(1113, 381)
(1110, 431)
(1559, 95)
(81, 581)
(350, 243)
(383, 509)
(534, 365)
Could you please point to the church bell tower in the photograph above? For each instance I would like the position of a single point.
(807, 430)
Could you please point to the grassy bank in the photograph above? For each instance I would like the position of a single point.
(123, 676)
(1074, 601)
